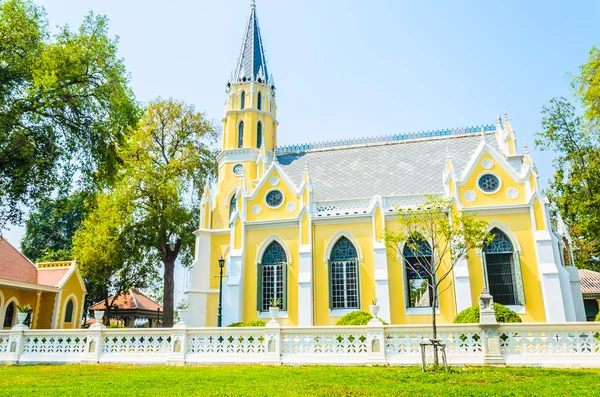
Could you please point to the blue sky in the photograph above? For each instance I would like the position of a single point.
(358, 68)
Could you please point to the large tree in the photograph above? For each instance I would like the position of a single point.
(166, 164)
(438, 236)
(65, 106)
(574, 138)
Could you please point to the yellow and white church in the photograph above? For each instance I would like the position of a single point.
(305, 223)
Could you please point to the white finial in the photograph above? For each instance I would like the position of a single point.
(525, 149)
(447, 153)
(505, 116)
(253, 4)
(275, 157)
(482, 133)
(306, 166)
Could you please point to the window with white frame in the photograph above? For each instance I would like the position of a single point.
(503, 270)
(344, 276)
(272, 278)
(419, 274)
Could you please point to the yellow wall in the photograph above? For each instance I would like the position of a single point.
(44, 320)
(24, 297)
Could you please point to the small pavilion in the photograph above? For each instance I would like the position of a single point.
(130, 306)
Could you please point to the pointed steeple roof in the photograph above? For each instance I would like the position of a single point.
(252, 63)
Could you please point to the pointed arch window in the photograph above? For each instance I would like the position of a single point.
(243, 100)
(69, 312)
(259, 104)
(240, 135)
(259, 135)
(503, 270)
(9, 315)
(344, 274)
(232, 206)
(272, 278)
(419, 273)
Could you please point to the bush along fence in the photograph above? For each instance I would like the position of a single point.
(539, 344)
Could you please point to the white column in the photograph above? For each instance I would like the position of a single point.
(462, 285)
(199, 281)
(305, 287)
(576, 294)
(549, 278)
(382, 292)
(233, 298)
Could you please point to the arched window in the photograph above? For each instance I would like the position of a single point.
(232, 205)
(243, 100)
(272, 278)
(69, 312)
(503, 270)
(241, 135)
(259, 104)
(419, 273)
(344, 276)
(9, 315)
(259, 135)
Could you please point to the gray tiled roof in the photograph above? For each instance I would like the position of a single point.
(393, 169)
(252, 56)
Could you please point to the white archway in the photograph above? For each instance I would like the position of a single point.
(334, 239)
(509, 233)
(263, 247)
(74, 319)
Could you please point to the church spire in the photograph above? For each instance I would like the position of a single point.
(252, 64)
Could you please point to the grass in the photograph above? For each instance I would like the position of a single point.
(123, 380)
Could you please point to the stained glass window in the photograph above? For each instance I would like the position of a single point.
(259, 104)
(274, 198)
(499, 262)
(259, 135)
(419, 280)
(241, 135)
(243, 100)
(344, 274)
(489, 183)
(69, 312)
(273, 277)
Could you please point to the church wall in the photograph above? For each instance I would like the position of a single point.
(520, 225)
(322, 234)
(282, 212)
(255, 239)
(220, 248)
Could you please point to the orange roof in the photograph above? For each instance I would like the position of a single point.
(51, 277)
(589, 281)
(131, 300)
(14, 265)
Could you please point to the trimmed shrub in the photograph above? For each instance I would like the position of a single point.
(254, 323)
(598, 317)
(503, 315)
(357, 317)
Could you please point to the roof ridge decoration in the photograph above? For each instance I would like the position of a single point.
(252, 63)
(289, 149)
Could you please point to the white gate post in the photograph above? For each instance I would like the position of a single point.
(272, 355)
(16, 341)
(491, 339)
(93, 346)
(375, 342)
(178, 345)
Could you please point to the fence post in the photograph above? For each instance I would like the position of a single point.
(272, 343)
(375, 342)
(93, 347)
(489, 327)
(16, 342)
(178, 345)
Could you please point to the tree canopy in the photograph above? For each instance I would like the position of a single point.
(65, 106)
(574, 137)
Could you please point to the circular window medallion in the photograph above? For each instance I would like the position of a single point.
(238, 169)
(487, 164)
(291, 206)
(470, 195)
(489, 183)
(512, 193)
(274, 181)
(256, 209)
(274, 198)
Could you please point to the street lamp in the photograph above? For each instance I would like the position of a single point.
(221, 266)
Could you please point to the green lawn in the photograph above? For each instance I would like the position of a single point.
(121, 380)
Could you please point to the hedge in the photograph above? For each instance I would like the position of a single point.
(357, 317)
(255, 323)
(598, 317)
(503, 315)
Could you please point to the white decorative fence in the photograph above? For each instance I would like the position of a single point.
(540, 344)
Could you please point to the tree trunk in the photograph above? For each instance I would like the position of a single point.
(434, 335)
(169, 286)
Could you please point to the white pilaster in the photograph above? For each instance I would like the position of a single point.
(552, 293)
(233, 297)
(382, 292)
(200, 280)
(462, 285)
(305, 287)
(576, 295)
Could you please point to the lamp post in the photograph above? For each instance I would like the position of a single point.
(220, 315)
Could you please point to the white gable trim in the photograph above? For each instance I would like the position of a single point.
(507, 231)
(275, 166)
(263, 247)
(478, 154)
(335, 238)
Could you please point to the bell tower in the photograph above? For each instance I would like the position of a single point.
(250, 108)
